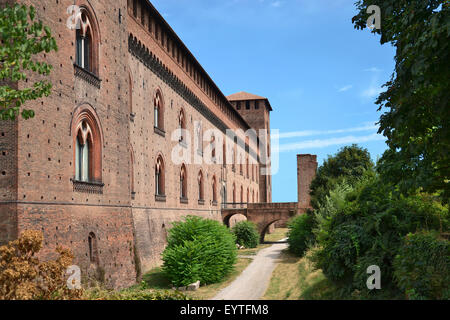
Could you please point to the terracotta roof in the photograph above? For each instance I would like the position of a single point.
(242, 96)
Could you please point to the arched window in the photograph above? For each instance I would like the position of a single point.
(159, 177)
(213, 148)
(199, 132)
(233, 159)
(241, 167)
(234, 193)
(82, 154)
(224, 156)
(200, 186)
(183, 183)
(248, 195)
(87, 146)
(158, 106)
(182, 125)
(247, 169)
(132, 174)
(87, 41)
(93, 249)
(214, 188)
(242, 194)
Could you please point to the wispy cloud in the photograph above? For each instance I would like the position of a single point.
(372, 92)
(309, 133)
(373, 69)
(345, 88)
(375, 87)
(276, 4)
(322, 143)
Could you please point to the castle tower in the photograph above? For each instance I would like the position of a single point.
(256, 112)
(306, 171)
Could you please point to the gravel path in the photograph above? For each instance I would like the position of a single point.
(252, 283)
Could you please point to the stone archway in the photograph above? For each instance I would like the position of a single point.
(265, 229)
(226, 218)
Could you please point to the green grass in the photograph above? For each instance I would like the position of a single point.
(277, 235)
(295, 279)
(155, 283)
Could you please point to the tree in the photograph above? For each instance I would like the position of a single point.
(416, 118)
(22, 38)
(349, 164)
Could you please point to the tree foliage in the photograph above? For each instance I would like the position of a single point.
(368, 228)
(422, 266)
(22, 38)
(349, 164)
(416, 118)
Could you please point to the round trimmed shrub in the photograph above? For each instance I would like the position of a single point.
(422, 266)
(199, 250)
(246, 234)
(300, 234)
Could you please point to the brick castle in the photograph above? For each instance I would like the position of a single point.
(94, 169)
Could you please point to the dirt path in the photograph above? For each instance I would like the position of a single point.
(254, 280)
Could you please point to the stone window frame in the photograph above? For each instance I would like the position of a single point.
(183, 184)
(201, 188)
(160, 174)
(89, 26)
(214, 190)
(158, 111)
(86, 114)
(182, 126)
(93, 249)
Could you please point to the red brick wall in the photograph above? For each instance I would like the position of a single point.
(37, 191)
(45, 155)
(306, 171)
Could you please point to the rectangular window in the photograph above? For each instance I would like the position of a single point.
(247, 105)
(79, 54)
(256, 105)
(238, 105)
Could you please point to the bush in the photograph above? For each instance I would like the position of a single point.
(23, 277)
(422, 267)
(199, 249)
(368, 229)
(246, 234)
(300, 233)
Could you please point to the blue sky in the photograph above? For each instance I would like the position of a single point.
(320, 74)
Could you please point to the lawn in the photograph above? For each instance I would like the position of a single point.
(277, 235)
(154, 283)
(295, 279)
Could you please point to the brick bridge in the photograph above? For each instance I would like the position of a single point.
(263, 215)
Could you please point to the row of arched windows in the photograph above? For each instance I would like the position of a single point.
(183, 182)
(241, 199)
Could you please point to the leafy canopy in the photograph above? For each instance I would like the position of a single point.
(349, 164)
(416, 118)
(22, 38)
